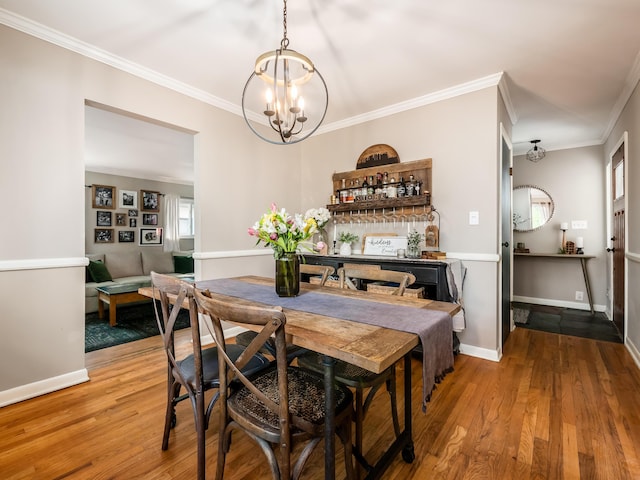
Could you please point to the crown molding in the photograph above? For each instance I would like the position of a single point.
(136, 174)
(440, 95)
(70, 43)
(506, 98)
(629, 86)
(55, 37)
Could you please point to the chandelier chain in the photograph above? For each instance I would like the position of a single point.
(284, 43)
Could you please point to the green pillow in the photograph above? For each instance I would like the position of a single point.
(183, 264)
(99, 272)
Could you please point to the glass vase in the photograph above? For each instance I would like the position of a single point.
(413, 251)
(288, 275)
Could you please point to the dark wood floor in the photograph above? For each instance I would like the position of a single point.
(555, 407)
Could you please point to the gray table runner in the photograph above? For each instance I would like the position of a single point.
(433, 327)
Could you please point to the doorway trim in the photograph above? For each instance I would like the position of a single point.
(624, 139)
(504, 139)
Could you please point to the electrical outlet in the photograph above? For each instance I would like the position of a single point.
(579, 295)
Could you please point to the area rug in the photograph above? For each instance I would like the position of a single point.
(134, 322)
(567, 321)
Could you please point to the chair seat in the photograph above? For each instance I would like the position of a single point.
(210, 364)
(306, 399)
(345, 372)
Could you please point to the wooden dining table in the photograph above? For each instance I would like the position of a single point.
(372, 347)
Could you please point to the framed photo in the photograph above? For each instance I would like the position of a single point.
(103, 196)
(150, 201)
(133, 212)
(103, 235)
(151, 236)
(149, 219)
(121, 219)
(103, 219)
(132, 223)
(126, 236)
(128, 199)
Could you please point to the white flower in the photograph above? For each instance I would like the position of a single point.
(320, 215)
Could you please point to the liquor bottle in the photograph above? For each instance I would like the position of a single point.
(411, 187)
(365, 187)
(356, 191)
(402, 189)
(370, 188)
(418, 187)
(392, 188)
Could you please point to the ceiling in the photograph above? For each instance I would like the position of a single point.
(569, 65)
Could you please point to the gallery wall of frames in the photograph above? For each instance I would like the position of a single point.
(120, 214)
(124, 212)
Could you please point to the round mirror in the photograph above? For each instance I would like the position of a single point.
(532, 208)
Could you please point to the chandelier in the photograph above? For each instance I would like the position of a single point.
(289, 92)
(536, 153)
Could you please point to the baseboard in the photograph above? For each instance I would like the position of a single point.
(633, 351)
(558, 303)
(42, 387)
(478, 352)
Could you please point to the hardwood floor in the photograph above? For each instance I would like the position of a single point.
(555, 407)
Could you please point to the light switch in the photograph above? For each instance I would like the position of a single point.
(578, 224)
(474, 218)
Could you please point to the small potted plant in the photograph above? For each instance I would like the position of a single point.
(413, 244)
(347, 238)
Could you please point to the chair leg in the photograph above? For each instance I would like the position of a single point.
(173, 391)
(345, 435)
(224, 441)
(391, 388)
(200, 431)
(359, 420)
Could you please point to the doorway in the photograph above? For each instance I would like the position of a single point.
(131, 154)
(617, 187)
(506, 233)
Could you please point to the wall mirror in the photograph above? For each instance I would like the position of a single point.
(532, 208)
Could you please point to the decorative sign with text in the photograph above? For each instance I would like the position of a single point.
(384, 245)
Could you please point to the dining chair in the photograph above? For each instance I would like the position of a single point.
(279, 406)
(197, 370)
(245, 338)
(356, 377)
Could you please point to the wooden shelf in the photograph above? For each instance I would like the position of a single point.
(414, 201)
(420, 169)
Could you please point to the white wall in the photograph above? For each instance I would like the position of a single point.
(574, 178)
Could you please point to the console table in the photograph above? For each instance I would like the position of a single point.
(430, 274)
(583, 261)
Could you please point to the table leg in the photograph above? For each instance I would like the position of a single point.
(404, 443)
(112, 312)
(585, 274)
(329, 419)
(100, 307)
(408, 454)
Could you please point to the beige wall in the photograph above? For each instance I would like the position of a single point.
(43, 93)
(43, 89)
(629, 122)
(131, 184)
(460, 136)
(574, 178)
